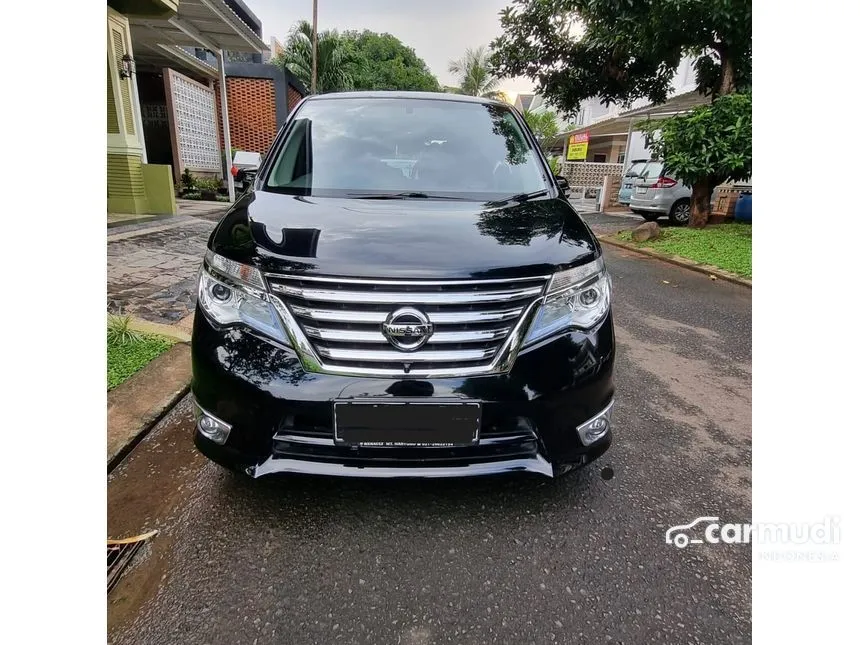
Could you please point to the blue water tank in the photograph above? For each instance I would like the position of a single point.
(743, 207)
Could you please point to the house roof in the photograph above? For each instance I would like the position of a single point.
(621, 124)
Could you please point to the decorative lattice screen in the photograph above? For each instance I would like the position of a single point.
(587, 173)
(194, 129)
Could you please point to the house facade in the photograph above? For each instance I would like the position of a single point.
(175, 101)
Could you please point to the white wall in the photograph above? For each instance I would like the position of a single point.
(637, 149)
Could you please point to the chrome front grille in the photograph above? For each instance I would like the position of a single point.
(477, 324)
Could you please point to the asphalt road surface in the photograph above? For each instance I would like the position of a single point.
(510, 560)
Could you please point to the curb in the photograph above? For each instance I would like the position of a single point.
(179, 332)
(138, 404)
(705, 269)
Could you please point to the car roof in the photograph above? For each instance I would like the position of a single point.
(434, 96)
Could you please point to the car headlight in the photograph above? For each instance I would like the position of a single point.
(232, 293)
(576, 298)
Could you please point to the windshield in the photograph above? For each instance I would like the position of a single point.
(357, 147)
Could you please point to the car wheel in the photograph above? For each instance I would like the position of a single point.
(649, 217)
(680, 213)
(681, 540)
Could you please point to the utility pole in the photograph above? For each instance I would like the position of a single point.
(314, 54)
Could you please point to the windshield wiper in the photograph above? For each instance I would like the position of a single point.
(399, 196)
(519, 197)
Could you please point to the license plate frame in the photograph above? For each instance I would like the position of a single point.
(406, 423)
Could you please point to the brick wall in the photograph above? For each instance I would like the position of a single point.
(253, 118)
(293, 97)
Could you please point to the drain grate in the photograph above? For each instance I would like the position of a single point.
(119, 555)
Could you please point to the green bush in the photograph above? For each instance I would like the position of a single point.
(212, 184)
(119, 331)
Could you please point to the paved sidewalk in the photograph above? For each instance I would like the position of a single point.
(608, 223)
(152, 266)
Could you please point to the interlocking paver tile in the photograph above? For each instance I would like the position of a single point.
(153, 274)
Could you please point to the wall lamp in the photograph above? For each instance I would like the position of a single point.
(126, 66)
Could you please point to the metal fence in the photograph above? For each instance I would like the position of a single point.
(585, 199)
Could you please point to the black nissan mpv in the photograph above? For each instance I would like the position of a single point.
(404, 291)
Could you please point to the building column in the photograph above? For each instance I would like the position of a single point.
(225, 122)
(126, 190)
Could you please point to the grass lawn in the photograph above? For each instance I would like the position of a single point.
(125, 357)
(727, 246)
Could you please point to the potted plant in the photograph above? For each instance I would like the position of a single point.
(188, 182)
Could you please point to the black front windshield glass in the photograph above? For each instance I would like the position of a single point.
(348, 147)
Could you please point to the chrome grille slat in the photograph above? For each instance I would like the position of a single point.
(337, 323)
(378, 317)
(353, 336)
(408, 297)
(395, 356)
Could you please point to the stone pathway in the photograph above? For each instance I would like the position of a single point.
(152, 267)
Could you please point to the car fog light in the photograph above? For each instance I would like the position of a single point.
(211, 426)
(596, 426)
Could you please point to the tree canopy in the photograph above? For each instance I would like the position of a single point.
(332, 75)
(705, 147)
(623, 50)
(382, 62)
(355, 60)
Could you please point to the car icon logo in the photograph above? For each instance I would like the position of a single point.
(678, 536)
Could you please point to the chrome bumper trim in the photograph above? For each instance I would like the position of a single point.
(536, 464)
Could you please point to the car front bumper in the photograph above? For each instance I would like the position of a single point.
(281, 419)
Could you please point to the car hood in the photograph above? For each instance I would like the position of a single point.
(403, 238)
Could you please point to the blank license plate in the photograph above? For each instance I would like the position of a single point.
(406, 424)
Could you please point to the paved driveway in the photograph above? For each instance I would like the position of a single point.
(152, 267)
(502, 560)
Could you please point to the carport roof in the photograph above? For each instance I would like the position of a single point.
(619, 125)
(209, 24)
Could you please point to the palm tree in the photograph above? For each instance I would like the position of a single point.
(474, 73)
(297, 57)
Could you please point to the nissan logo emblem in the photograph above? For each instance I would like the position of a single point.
(407, 328)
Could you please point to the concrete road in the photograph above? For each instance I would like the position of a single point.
(505, 560)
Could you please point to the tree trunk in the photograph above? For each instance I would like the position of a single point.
(727, 75)
(700, 204)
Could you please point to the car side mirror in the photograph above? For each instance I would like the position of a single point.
(563, 185)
